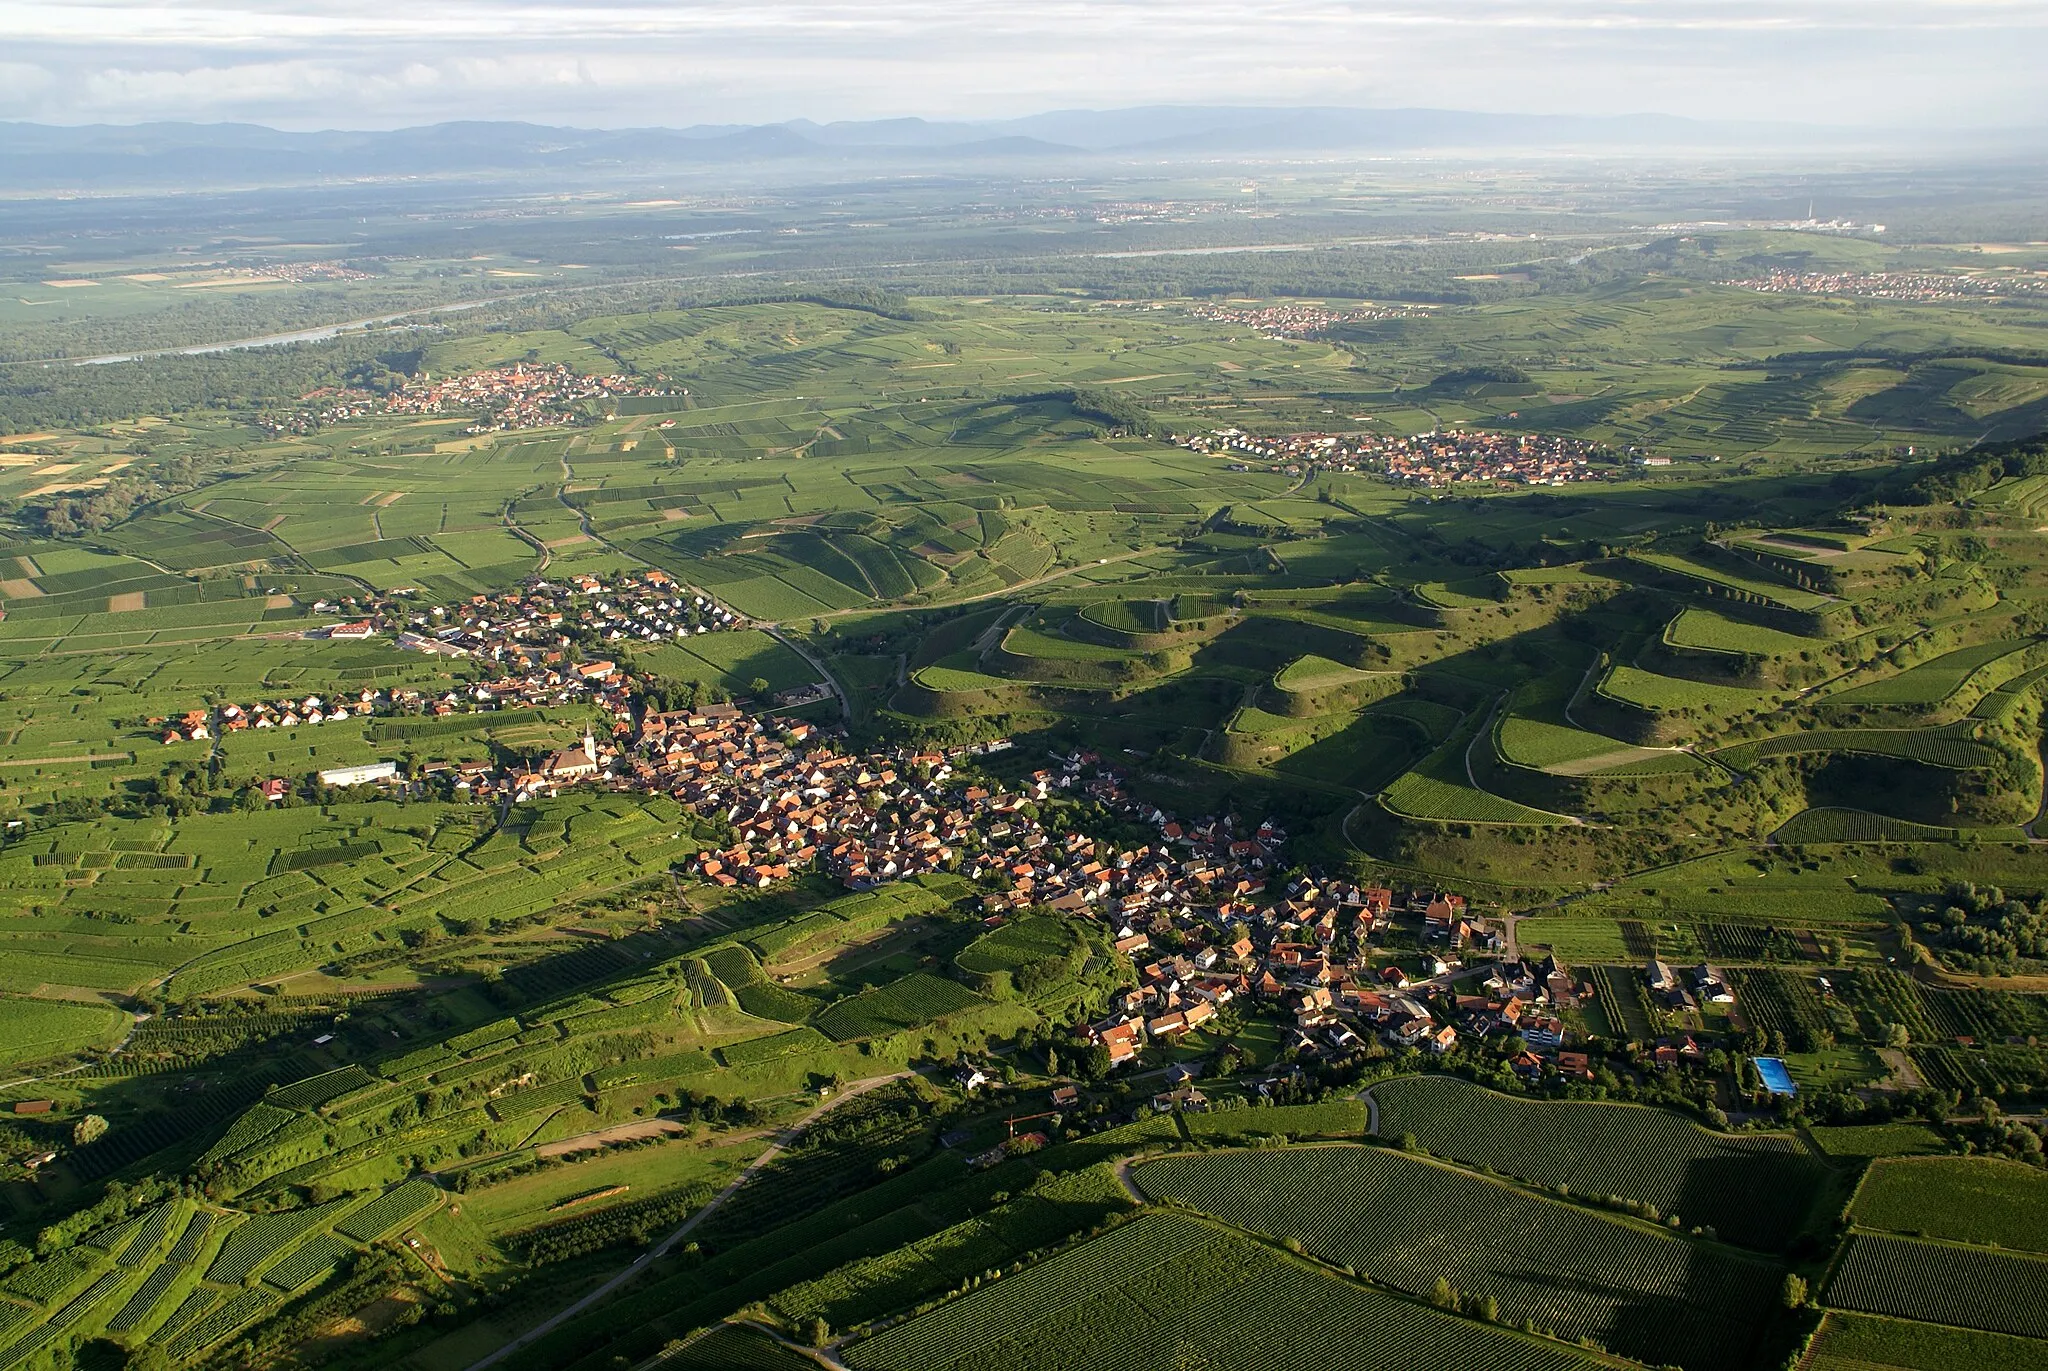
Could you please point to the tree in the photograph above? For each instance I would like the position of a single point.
(1443, 1296)
(87, 1129)
(1794, 1293)
(817, 1332)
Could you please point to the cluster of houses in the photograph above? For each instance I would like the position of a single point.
(199, 724)
(1703, 984)
(1451, 457)
(1922, 286)
(525, 634)
(523, 395)
(1317, 955)
(525, 626)
(1295, 318)
(1190, 909)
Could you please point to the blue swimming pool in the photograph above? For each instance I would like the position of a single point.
(1776, 1078)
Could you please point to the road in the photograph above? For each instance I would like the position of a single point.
(817, 664)
(661, 1249)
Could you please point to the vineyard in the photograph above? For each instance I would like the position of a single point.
(1929, 682)
(916, 999)
(1784, 1002)
(1996, 1068)
(1951, 746)
(1964, 1199)
(1407, 1223)
(1967, 1287)
(259, 1239)
(733, 1348)
(183, 1254)
(740, 972)
(1620, 1000)
(1858, 1342)
(633, 1222)
(393, 1209)
(1163, 1291)
(1016, 945)
(1628, 1151)
(312, 1260)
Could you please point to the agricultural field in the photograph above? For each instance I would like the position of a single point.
(1856, 1342)
(1644, 1155)
(1110, 1301)
(1973, 1200)
(1951, 746)
(1930, 682)
(1714, 631)
(1940, 1283)
(1407, 1223)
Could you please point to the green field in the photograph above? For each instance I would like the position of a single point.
(1716, 632)
(37, 1029)
(1645, 1155)
(1204, 1290)
(1950, 746)
(1975, 1200)
(1407, 1223)
(1632, 685)
(1964, 1287)
(1854, 1342)
(1929, 682)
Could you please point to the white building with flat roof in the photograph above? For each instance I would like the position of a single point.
(366, 774)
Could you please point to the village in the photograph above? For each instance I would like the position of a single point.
(521, 396)
(1295, 319)
(1210, 915)
(1451, 457)
(526, 637)
(1916, 286)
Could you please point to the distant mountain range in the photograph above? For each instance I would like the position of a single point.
(104, 157)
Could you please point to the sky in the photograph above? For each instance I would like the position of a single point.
(625, 63)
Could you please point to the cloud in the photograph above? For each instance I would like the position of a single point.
(622, 62)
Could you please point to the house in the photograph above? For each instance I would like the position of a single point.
(1711, 986)
(1187, 1099)
(274, 790)
(1066, 1097)
(1122, 1041)
(1410, 1031)
(970, 1078)
(351, 633)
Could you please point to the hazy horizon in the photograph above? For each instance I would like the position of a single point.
(341, 64)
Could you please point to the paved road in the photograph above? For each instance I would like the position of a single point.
(661, 1249)
(817, 664)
